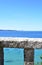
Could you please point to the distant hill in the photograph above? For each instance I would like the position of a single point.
(15, 33)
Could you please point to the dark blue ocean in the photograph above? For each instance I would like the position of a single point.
(14, 33)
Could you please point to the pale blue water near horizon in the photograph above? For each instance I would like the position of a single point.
(14, 33)
(13, 56)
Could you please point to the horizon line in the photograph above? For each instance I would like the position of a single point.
(17, 30)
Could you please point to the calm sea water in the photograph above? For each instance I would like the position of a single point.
(13, 56)
(14, 33)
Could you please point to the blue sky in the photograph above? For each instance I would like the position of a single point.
(21, 15)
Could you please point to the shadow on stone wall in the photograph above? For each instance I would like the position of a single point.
(1, 56)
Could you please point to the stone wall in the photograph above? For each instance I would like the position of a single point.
(28, 48)
(1, 56)
(21, 44)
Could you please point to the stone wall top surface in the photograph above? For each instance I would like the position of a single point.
(21, 42)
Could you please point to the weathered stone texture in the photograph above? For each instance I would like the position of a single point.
(26, 44)
(28, 63)
(29, 55)
(21, 44)
(1, 56)
(28, 49)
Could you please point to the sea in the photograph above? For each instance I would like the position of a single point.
(27, 34)
(17, 55)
